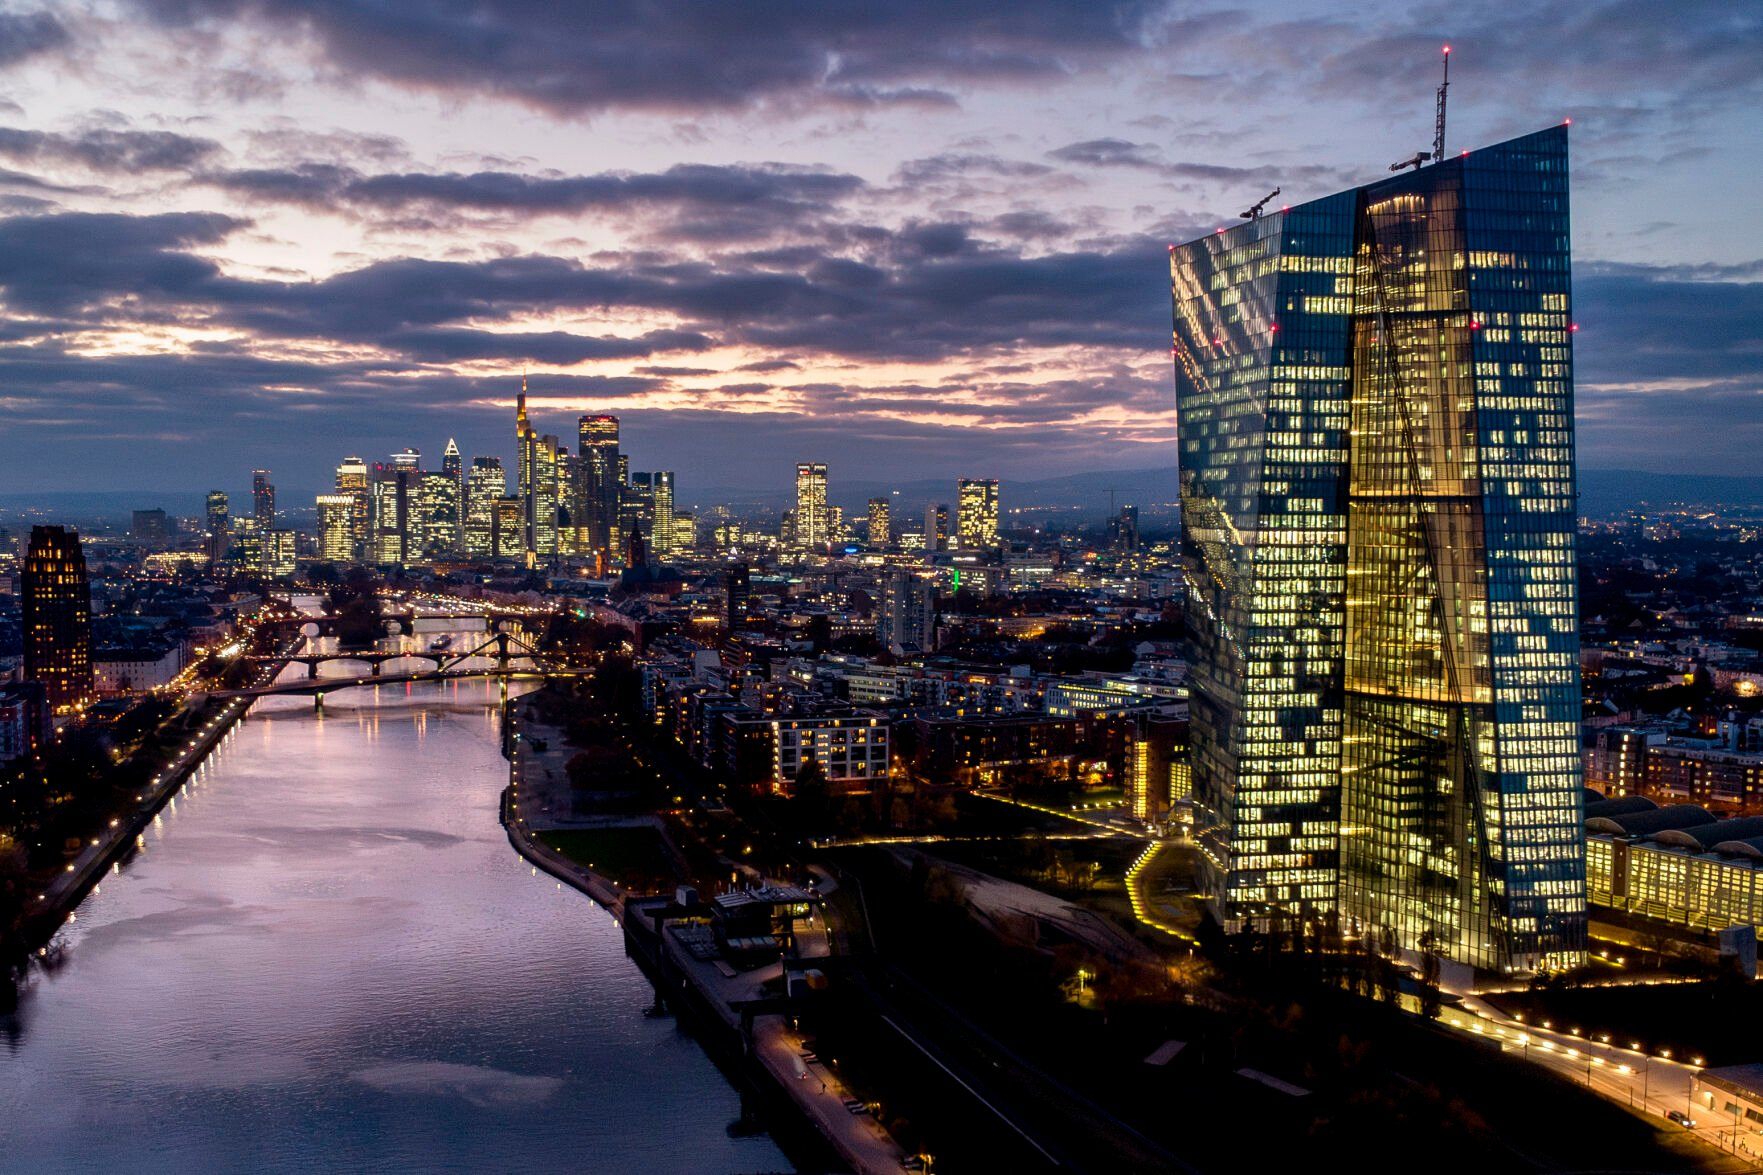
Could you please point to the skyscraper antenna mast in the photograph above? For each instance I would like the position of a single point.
(1438, 131)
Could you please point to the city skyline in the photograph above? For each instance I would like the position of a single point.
(823, 241)
(946, 586)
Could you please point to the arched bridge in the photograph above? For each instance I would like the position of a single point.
(374, 660)
(317, 687)
(401, 620)
(504, 647)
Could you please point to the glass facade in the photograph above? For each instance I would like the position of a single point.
(1375, 401)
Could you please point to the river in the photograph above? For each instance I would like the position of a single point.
(329, 958)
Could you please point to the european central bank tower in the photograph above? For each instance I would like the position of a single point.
(1375, 396)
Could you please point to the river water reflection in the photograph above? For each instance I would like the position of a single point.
(329, 958)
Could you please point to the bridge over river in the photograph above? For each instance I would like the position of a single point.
(513, 657)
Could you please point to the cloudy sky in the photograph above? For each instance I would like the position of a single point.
(914, 238)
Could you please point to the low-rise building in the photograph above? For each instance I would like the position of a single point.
(118, 671)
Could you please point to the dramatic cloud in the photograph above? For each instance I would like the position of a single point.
(760, 191)
(79, 261)
(108, 150)
(1107, 153)
(923, 237)
(25, 35)
(573, 58)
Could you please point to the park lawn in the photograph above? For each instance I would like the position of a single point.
(629, 856)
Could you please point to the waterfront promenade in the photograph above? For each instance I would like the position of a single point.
(536, 801)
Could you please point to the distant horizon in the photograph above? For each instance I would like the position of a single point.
(1610, 495)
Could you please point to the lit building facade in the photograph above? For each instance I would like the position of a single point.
(510, 533)
(812, 529)
(56, 605)
(280, 553)
(1375, 402)
(976, 513)
(438, 515)
(661, 490)
(336, 527)
(219, 526)
(485, 485)
(396, 498)
(352, 480)
(599, 483)
(880, 523)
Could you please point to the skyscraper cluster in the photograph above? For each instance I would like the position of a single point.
(583, 503)
(814, 524)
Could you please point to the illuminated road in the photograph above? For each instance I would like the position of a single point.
(1652, 1085)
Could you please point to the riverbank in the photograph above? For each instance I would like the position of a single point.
(329, 959)
(739, 1015)
(56, 903)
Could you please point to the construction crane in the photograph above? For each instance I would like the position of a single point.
(1254, 212)
(1421, 158)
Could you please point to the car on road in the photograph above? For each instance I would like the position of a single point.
(1681, 1118)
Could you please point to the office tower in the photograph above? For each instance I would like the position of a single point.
(219, 526)
(247, 546)
(976, 504)
(150, 528)
(936, 527)
(453, 465)
(542, 502)
(906, 614)
(262, 499)
(739, 586)
(352, 480)
(56, 606)
(661, 531)
(437, 530)
(599, 482)
(523, 429)
(812, 533)
(485, 485)
(396, 504)
(537, 486)
(410, 459)
(1123, 530)
(336, 527)
(879, 526)
(685, 532)
(279, 554)
(572, 536)
(510, 529)
(1376, 438)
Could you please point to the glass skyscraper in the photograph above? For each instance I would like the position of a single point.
(1375, 399)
